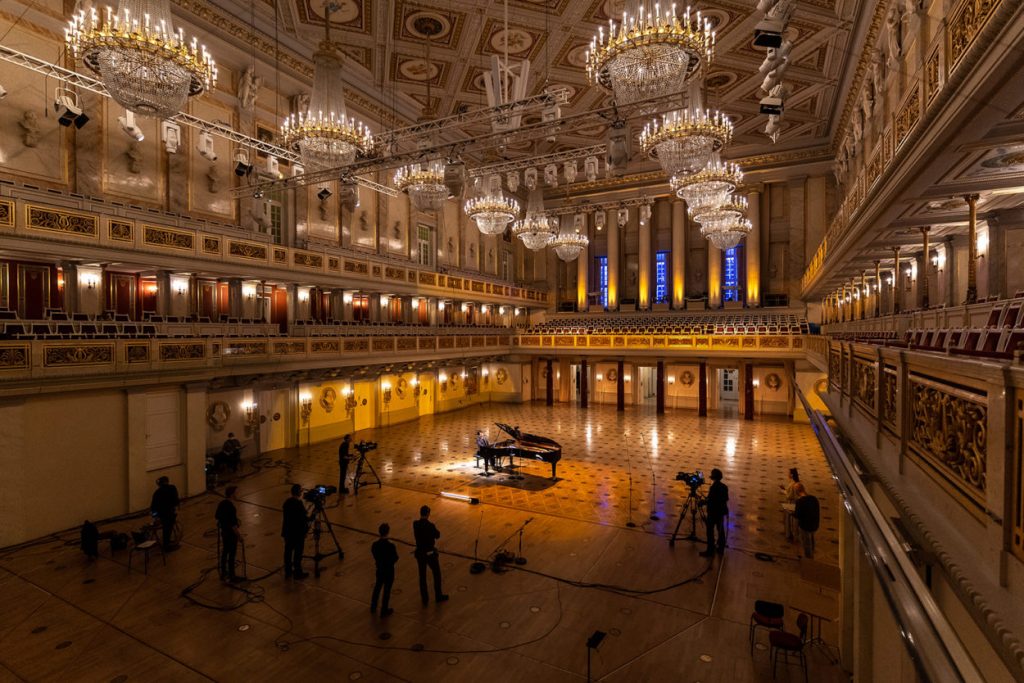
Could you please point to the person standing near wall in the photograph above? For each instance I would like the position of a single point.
(717, 510)
(164, 506)
(385, 556)
(230, 534)
(808, 517)
(343, 460)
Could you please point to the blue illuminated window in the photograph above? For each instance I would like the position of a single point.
(661, 277)
(731, 281)
(602, 279)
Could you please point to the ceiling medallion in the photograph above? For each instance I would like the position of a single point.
(685, 140)
(536, 229)
(492, 211)
(146, 66)
(424, 183)
(649, 54)
(324, 135)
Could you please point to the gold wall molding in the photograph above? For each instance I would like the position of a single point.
(966, 22)
(245, 348)
(6, 213)
(167, 238)
(289, 348)
(64, 222)
(248, 250)
(136, 353)
(121, 230)
(85, 354)
(307, 260)
(325, 346)
(211, 245)
(182, 351)
(280, 256)
(14, 358)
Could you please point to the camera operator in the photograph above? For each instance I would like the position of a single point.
(230, 533)
(717, 509)
(164, 506)
(294, 526)
(343, 460)
(231, 452)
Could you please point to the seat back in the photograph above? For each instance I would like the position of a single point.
(801, 624)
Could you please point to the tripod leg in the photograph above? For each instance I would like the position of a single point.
(679, 523)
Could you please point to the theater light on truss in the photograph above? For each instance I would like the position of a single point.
(649, 53)
(146, 66)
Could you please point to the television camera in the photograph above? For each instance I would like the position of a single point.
(318, 493)
(692, 479)
(365, 447)
(693, 505)
(365, 474)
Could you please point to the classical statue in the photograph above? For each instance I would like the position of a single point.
(396, 229)
(213, 179)
(894, 26)
(134, 154)
(364, 222)
(248, 88)
(30, 131)
(300, 103)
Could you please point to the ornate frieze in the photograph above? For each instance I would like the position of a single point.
(908, 116)
(82, 354)
(428, 279)
(245, 348)
(383, 344)
(835, 373)
(406, 344)
(328, 346)
(966, 21)
(65, 222)
(289, 348)
(726, 342)
(136, 353)
(356, 267)
(564, 341)
(445, 343)
(357, 345)
(333, 263)
(308, 260)
(425, 342)
(14, 357)
(183, 351)
(863, 383)
(247, 250)
(6, 213)
(949, 432)
(887, 398)
(211, 245)
(166, 238)
(462, 342)
(121, 231)
(392, 273)
(280, 256)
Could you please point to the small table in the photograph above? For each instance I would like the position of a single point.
(814, 631)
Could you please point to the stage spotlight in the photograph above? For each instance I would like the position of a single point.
(771, 105)
(205, 147)
(65, 104)
(455, 178)
(242, 165)
(170, 133)
(130, 128)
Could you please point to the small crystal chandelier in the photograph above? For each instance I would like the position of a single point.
(146, 66)
(536, 229)
(324, 135)
(734, 207)
(685, 140)
(649, 54)
(568, 245)
(726, 233)
(492, 211)
(708, 188)
(424, 183)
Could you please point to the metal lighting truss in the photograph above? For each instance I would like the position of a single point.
(74, 79)
(540, 161)
(586, 206)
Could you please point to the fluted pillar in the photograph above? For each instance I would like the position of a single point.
(897, 280)
(714, 276)
(752, 252)
(926, 266)
(878, 288)
(678, 255)
(163, 292)
(972, 248)
(613, 260)
(583, 279)
(69, 269)
(644, 256)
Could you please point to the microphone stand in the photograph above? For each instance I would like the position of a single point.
(629, 468)
(477, 566)
(654, 483)
(520, 560)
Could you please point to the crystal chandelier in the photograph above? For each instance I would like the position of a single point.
(734, 207)
(324, 135)
(708, 188)
(536, 229)
(492, 211)
(424, 183)
(146, 66)
(649, 54)
(726, 233)
(685, 140)
(568, 245)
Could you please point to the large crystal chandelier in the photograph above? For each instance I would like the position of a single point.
(536, 229)
(568, 245)
(685, 139)
(725, 225)
(324, 135)
(649, 54)
(492, 211)
(423, 181)
(709, 188)
(146, 66)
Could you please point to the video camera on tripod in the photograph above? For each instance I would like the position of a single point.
(365, 447)
(364, 468)
(692, 479)
(318, 493)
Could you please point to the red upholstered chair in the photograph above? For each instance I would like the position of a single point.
(790, 645)
(766, 615)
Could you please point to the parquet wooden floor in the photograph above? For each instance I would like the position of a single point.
(670, 615)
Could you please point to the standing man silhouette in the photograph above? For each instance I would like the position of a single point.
(385, 556)
(230, 533)
(343, 460)
(718, 508)
(165, 507)
(294, 526)
(426, 554)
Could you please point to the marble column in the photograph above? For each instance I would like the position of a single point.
(584, 384)
(752, 250)
(995, 257)
(660, 396)
(235, 298)
(163, 292)
(678, 255)
(951, 272)
(620, 387)
(795, 262)
(69, 270)
(614, 232)
(878, 288)
(926, 266)
(714, 276)
(897, 281)
(972, 248)
(644, 258)
(583, 280)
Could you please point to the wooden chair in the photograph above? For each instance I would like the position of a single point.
(766, 615)
(790, 645)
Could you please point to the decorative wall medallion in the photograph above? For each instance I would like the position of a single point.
(121, 231)
(686, 379)
(217, 415)
(328, 397)
(14, 358)
(188, 351)
(98, 354)
(77, 224)
(612, 375)
(773, 381)
(247, 250)
(167, 238)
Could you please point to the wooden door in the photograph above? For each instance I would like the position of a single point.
(33, 291)
(279, 308)
(149, 290)
(207, 299)
(223, 300)
(122, 294)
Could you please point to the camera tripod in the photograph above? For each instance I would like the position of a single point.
(694, 504)
(371, 477)
(319, 521)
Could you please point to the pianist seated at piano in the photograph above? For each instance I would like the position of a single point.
(521, 445)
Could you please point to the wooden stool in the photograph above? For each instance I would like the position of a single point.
(144, 548)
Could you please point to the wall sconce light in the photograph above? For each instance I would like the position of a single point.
(179, 286)
(888, 280)
(465, 307)
(305, 408)
(384, 299)
(442, 377)
(89, 280)
(503, 310)
(908, 272)
(599, 377)
(463, 374)
(249, 291)
(304, 294)
(671, 379)
(440, 305)
(252, 416)
(982, 244)
(386, 389)
(627, 378)
(346, 298)
(935, 259)
(756, 383)
(519, 311)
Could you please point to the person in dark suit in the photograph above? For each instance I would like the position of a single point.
(481, 446)
(717, 509)
(343, 460)
(426, 534)
(164, 506)
(230, 533)
(294, 526)
(807, 512)
(231, 452)
(385, 555)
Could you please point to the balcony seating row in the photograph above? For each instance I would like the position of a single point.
(676, 323)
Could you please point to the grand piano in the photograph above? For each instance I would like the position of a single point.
(523, 445)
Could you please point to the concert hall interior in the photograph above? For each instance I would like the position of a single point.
(678, 343)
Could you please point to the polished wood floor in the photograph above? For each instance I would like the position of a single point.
(670, 615)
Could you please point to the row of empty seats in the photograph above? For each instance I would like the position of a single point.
(676, 323)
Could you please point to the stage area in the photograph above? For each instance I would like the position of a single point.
(63, 617)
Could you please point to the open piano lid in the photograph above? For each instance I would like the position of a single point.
(511, 431)
(515, 433)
